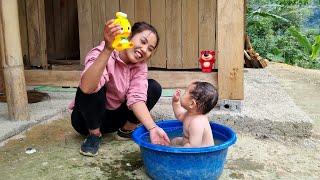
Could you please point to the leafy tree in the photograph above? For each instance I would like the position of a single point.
(268, 24)
(312, 50)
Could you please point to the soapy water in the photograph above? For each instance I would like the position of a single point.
(176, 132)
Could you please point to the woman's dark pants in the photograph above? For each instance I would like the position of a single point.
(90, 113)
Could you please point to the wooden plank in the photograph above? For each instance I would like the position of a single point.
(85, 28)
(2, 54)
(173, 34)
(50, 28)
(33, 32)
(64, 62)
(230, 49)
(64, 28)
(73, 36)
(72, 78)
(2, 86)
(182, 78)
(23, 31)
(12, 62)
(71, 67)
(190, 39)
(158, 17)
(127, 6)
(52, 78)
(43, 36)
(58, 32)
(98, 20)
(207, 25)
(142, 10)
(142, 13)
(112, 6)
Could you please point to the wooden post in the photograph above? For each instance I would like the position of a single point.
(1, 79)
(12, 62)
(230, 19)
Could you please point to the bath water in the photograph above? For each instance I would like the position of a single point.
(176, 132)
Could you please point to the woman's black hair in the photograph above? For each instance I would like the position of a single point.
(138, 27)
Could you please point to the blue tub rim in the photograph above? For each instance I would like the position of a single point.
(141, 129)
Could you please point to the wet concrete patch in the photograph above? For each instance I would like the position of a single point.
(244, 164)
(236, 175)
(57, 156)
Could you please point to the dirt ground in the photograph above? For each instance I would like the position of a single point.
(57, 146)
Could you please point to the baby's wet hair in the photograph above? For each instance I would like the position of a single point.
(205, 95)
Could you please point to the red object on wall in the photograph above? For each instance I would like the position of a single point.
(207, 60)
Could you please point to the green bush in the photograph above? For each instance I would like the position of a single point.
(268, 22)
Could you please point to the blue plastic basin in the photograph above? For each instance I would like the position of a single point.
(166, 162)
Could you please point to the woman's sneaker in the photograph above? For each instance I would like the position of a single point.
(123, 135)
(90, 145)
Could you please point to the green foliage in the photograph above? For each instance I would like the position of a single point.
(269, 25)
(293, 2)
(316, 48)
(266, 14)
(303, 40)
(312, 50)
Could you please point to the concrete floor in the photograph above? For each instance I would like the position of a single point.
(269, 119)
(52, 108)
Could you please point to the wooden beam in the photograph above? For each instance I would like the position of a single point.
(12, 62)
(71, 78)
(142, 11)
(24, 31)
(207, 25)
(127, 6)
(230, 19)
(112, 6)
(157, 18)
(181, 79)
(85, 28)
(98, 21)
(37, 39)
(52, 78)
(43, 35)
(189, 33)
(2, 86)
(173, 34)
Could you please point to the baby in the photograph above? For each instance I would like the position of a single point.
(198, 99)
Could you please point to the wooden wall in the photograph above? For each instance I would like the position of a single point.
(33, 32)
(185, 26)
(62, 29)
(49, 30)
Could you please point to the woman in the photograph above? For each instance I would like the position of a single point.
(114, 93)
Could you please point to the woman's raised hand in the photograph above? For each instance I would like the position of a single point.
(110, 32)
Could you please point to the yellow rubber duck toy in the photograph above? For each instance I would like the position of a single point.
(121, 41)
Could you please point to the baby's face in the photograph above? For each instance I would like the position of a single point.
(186, 98)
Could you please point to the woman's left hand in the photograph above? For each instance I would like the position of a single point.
(158, 136)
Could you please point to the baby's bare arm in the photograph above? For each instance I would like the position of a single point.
(178, 110)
